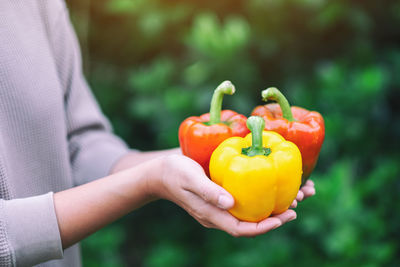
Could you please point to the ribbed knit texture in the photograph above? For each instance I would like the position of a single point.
(52, 133)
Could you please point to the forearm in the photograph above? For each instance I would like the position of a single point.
(85, 209)
(135, 158)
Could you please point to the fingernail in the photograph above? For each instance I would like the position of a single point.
(224, 202)
(294, 216)
(313, 192)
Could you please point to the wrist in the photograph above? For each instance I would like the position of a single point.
(134, 187)
(135, 158)
(163, 176)
(153, 178)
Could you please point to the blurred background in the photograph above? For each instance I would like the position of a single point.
(152, 63)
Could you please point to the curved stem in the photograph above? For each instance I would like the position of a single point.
(216, 102)
(256, 126)
(274, 94)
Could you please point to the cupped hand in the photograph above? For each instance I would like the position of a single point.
(184, 182)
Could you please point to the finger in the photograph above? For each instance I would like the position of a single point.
(308, 191)
(249, 229)
(226, 222)
(294, 204)
(300, 195)
(286, 216)
(309, 183)
(210, 192)
(239, 228)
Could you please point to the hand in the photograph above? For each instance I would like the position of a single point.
(305, 191)
(184, 182)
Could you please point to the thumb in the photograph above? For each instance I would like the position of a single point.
(212, 193)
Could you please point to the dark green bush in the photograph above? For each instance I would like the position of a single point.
(152, 63)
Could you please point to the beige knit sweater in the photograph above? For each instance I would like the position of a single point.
(52, 134)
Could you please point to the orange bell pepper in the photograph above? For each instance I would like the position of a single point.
(304, 128)
(200, 136)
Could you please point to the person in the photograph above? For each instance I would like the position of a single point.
(63, 174)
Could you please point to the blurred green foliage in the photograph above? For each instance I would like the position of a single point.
(152, 63)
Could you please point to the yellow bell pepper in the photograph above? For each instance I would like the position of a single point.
(261, 171)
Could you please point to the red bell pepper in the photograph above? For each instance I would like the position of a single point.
(304, 128)
(200, 136)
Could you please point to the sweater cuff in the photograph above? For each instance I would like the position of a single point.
(32, 229)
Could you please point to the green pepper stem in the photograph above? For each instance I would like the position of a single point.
(274, 94)
(225, 88)
(256, 126)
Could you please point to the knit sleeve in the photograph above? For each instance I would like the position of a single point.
(92, 145)
(22, 223)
